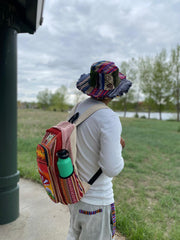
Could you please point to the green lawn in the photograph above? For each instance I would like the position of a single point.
(147, 192)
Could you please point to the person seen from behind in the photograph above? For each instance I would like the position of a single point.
(99, 145)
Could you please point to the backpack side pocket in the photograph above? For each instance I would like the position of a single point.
(45, 172)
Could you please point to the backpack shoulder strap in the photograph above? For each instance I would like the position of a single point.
(81, 119)
(89, 112)
(73, 110)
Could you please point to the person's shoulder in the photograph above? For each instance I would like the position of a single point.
(106, 111)
(105, 115)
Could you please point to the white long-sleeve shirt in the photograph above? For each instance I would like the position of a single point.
(98, 145)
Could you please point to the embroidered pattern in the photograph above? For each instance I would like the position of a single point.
(49, 137)
(113, 219)
(90, 212)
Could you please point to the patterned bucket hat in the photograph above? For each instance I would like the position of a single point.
(104, 80)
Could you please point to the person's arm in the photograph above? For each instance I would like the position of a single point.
(111, 160)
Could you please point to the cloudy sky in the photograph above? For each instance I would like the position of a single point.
(77, 33)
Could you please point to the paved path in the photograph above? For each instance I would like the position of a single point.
(40, 218)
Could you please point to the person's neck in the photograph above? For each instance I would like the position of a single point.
(105, 100)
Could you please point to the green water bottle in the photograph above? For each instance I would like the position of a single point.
(64, 163)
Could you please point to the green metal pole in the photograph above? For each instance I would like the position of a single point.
(9, 176)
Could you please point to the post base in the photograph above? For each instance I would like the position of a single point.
(9, 198)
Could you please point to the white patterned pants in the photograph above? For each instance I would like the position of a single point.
(91, 222)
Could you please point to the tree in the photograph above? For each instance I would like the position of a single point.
(162, 83)
(175, 68)
(44, 98)
(128, 69)
(78, 96)
(53, 101)
(58, 99)
(146, 81)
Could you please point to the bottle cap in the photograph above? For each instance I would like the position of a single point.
(63, 153)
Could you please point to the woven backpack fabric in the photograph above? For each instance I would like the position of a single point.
(63, 136)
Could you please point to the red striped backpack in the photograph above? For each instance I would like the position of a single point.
(63, 136)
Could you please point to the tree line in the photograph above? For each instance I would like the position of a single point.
(155, 79)
(53, 101)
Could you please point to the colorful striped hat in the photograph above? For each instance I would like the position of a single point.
(104, 80)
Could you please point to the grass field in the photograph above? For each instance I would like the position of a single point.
(147, 192)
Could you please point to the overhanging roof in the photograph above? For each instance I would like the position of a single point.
(27, 14)
(33, 12)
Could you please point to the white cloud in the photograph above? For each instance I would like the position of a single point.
(77, 33)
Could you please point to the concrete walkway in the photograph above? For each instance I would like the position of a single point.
(40, 218)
